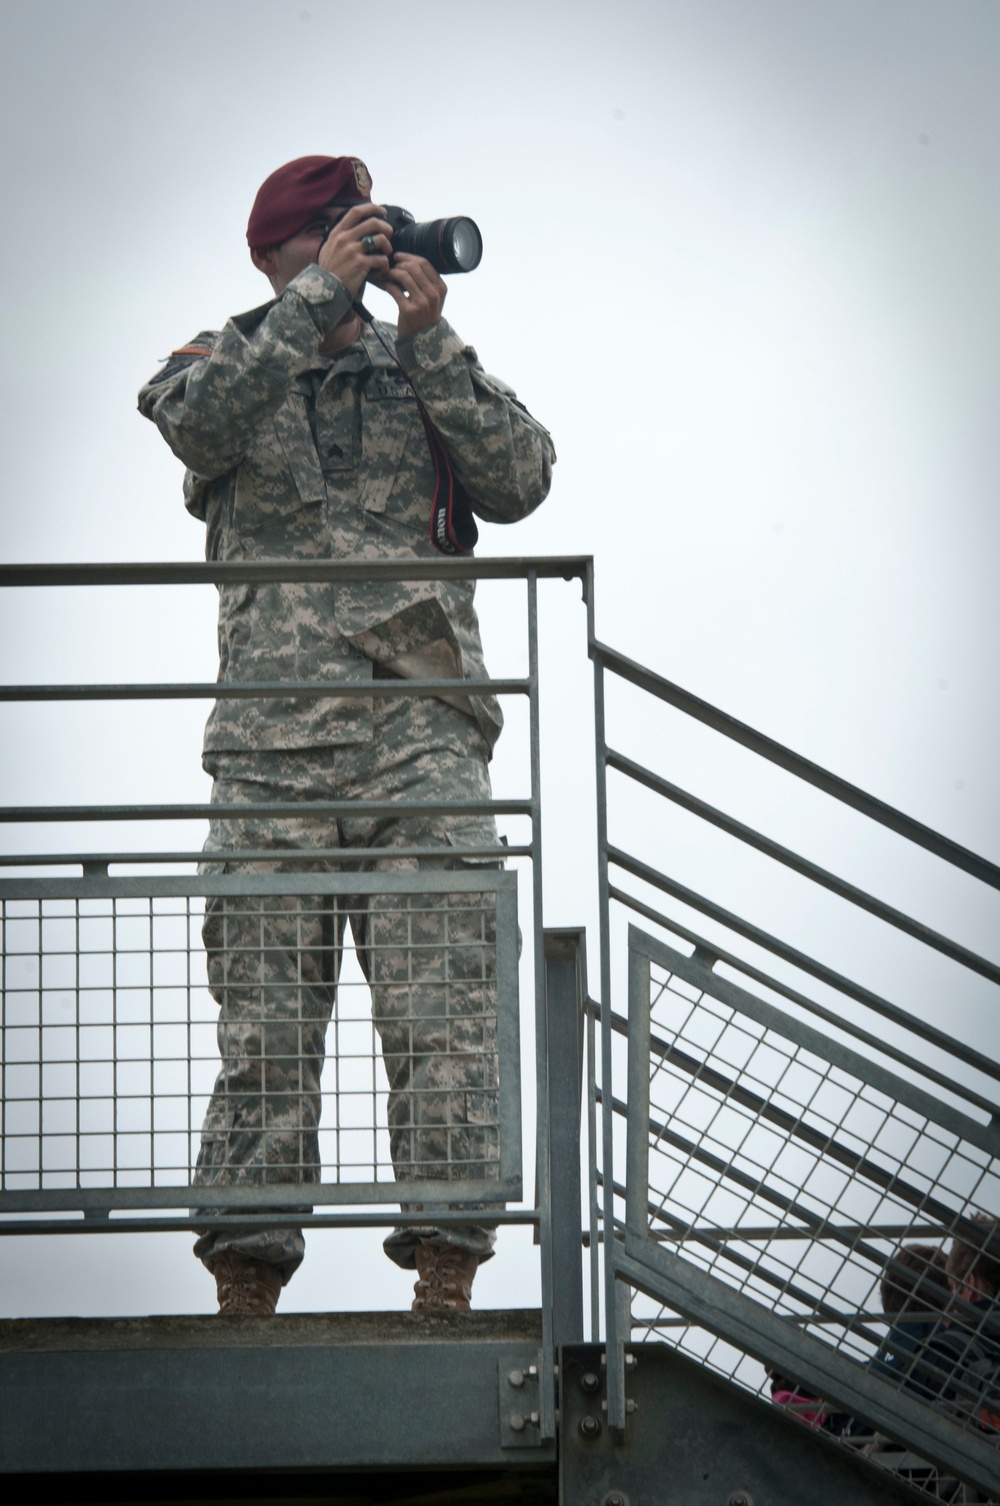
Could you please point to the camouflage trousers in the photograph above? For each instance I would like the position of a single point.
(274, 965)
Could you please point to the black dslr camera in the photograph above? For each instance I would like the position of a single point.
(453, 245)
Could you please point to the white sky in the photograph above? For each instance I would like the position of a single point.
(740, 258)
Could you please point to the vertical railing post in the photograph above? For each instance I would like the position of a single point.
(565, 990)
(546, 1381)
(613, 1324)
(593, 1199)
(593, 1207)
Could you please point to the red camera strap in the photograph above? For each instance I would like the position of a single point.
(453, 528)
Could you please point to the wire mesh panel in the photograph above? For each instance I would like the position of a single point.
(222, 1033)
(810, 1208)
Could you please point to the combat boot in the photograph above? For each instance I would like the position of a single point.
(446, 1276)
(246, 1288)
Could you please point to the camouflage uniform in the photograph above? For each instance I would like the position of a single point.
(296, 455)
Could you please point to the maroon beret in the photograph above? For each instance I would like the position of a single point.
(290, 197)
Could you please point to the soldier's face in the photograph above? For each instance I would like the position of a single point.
(281, 263)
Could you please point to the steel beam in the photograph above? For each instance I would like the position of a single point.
(292, 1393)
(692, 1439)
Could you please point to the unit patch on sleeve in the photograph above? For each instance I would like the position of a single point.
(183, 356)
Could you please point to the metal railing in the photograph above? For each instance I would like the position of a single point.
(111, 1045)
(110, 1011)
(742, 1207)
(777, 1149)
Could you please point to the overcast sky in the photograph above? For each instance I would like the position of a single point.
(741, 258)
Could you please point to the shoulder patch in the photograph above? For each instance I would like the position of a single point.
(175, 365)
(198, 349)
(179, 360)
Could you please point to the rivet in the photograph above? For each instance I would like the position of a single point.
(589, 1427)
(516, 1378)
(517, 1422)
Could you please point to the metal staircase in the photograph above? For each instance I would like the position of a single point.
(730, 1145)
(779, 1146)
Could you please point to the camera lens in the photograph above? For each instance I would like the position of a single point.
(453, 245)
(464, 244)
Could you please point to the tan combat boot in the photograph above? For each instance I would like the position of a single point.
(245, 1287)
(446, 1276)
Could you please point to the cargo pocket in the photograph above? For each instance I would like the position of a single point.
(471, 833)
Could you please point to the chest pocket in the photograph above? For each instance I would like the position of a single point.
(280, 472)
(394, 447)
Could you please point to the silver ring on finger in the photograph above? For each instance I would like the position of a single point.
(369, 245)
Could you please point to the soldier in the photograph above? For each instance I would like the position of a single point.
(310, 432)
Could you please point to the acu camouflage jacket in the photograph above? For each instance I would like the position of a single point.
(296, 455)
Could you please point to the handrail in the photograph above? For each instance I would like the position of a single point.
(794, 763)
(301, 810)
(297, 572)
(251, 690)
(244, 855)
(802, 866)
(839, 1021)
(806, 964)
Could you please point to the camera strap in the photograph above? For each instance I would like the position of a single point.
(453, 528)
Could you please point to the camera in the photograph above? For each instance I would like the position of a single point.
(453, 245)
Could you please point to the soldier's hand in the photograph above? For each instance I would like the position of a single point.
(358, 247)
(418, 290)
